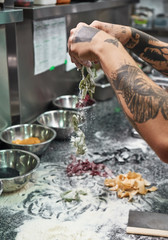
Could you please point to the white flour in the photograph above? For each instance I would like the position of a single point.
(96, 216)
(42, 229)
(83, 228)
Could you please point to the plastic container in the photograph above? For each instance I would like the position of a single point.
(45, 2)
(63, 1)
(23, 3)
(161, 22)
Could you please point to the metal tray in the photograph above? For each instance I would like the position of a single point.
(103, 90)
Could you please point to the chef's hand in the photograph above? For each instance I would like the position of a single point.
(81, 45)
(122, 33)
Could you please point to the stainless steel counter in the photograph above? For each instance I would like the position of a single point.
(39, 206)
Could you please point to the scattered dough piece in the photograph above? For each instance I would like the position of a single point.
(128, 185)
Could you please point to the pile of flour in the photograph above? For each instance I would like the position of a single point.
(51, 229)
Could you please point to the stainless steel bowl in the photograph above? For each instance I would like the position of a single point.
(23, 131)
(60, 121)
(14, 161)
(1, 187)
(68, 102)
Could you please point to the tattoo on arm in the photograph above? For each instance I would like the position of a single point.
(113, 41)
(150, 50)
(143, 99)
(85, 34)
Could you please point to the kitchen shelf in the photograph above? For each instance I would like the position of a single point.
(11, 16)
(49, 11)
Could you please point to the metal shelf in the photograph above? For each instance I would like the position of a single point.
(49, 11)
(11, 16)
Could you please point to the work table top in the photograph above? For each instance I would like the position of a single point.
(100, 211)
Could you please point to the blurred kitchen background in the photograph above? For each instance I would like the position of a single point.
(34, 65)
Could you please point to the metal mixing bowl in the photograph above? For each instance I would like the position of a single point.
(23, 162)
(1, 187)
(23, 131)
(60, 121)
(68, 102)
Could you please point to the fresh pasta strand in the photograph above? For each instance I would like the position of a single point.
(86, 86)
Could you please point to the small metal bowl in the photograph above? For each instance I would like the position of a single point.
(60, 121)
(68, 102)
(23, 131)
(14, 161)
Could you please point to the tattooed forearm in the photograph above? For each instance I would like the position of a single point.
(139, 41)
(133, 123)
(85, 34)
(150, 50)
(113, 41)
(143, 99)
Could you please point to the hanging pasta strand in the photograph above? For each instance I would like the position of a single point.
(86, 86)
(78, 141)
